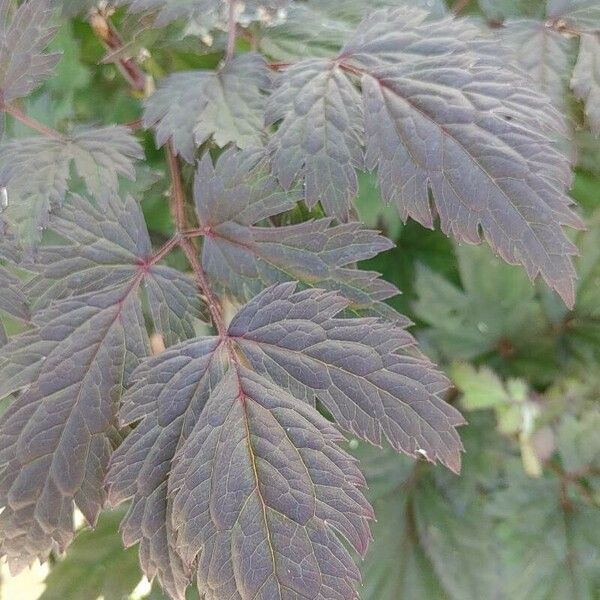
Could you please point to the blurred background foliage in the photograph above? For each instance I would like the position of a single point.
(523, 519)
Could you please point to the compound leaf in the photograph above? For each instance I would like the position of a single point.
(23, 38)
(242, 258)
(167, 395)
(586, 78)
(368, 374)
(36, 172)
(450, 118)
(190, 107)
(258, 489)
(89, 334)
(95, 565)
(109, 243)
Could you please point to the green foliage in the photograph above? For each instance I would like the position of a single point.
(95, 565)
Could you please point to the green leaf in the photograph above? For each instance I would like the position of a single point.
(578, 441)
(432, 539)
(495, 307)
(95, 565)
(550, 542)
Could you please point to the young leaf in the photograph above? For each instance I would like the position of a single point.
(586, 78)
(37, 171)
(242, 258)
(190, 107)
(95, 566)
(23, 37)
(453, 119)
(368, 374)
(167, 395)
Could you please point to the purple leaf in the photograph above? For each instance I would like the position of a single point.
(446, 117)
(242, 258)
(367, 373)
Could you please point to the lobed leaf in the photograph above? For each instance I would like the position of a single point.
(433, 538)
(89, 334)
(230, 460)
(259, 487)
(320, 134)
(242, 258)
(368, 374)
(55, 438)
(586, 78)
(227, 104)
(23, 37)
(550, 549)
(36, 172)
(444, 113)
(167, 396)
(469, 322)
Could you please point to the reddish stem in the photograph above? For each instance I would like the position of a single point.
(112, 41)
(279, 66)
(188, 247)
(177, 193)
(210, 298)
(19, 115)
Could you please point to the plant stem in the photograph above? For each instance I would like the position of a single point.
(177, 194)
(108, 35)
(231, 30)
(187, 245)
(214, 306)
(30, 122)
